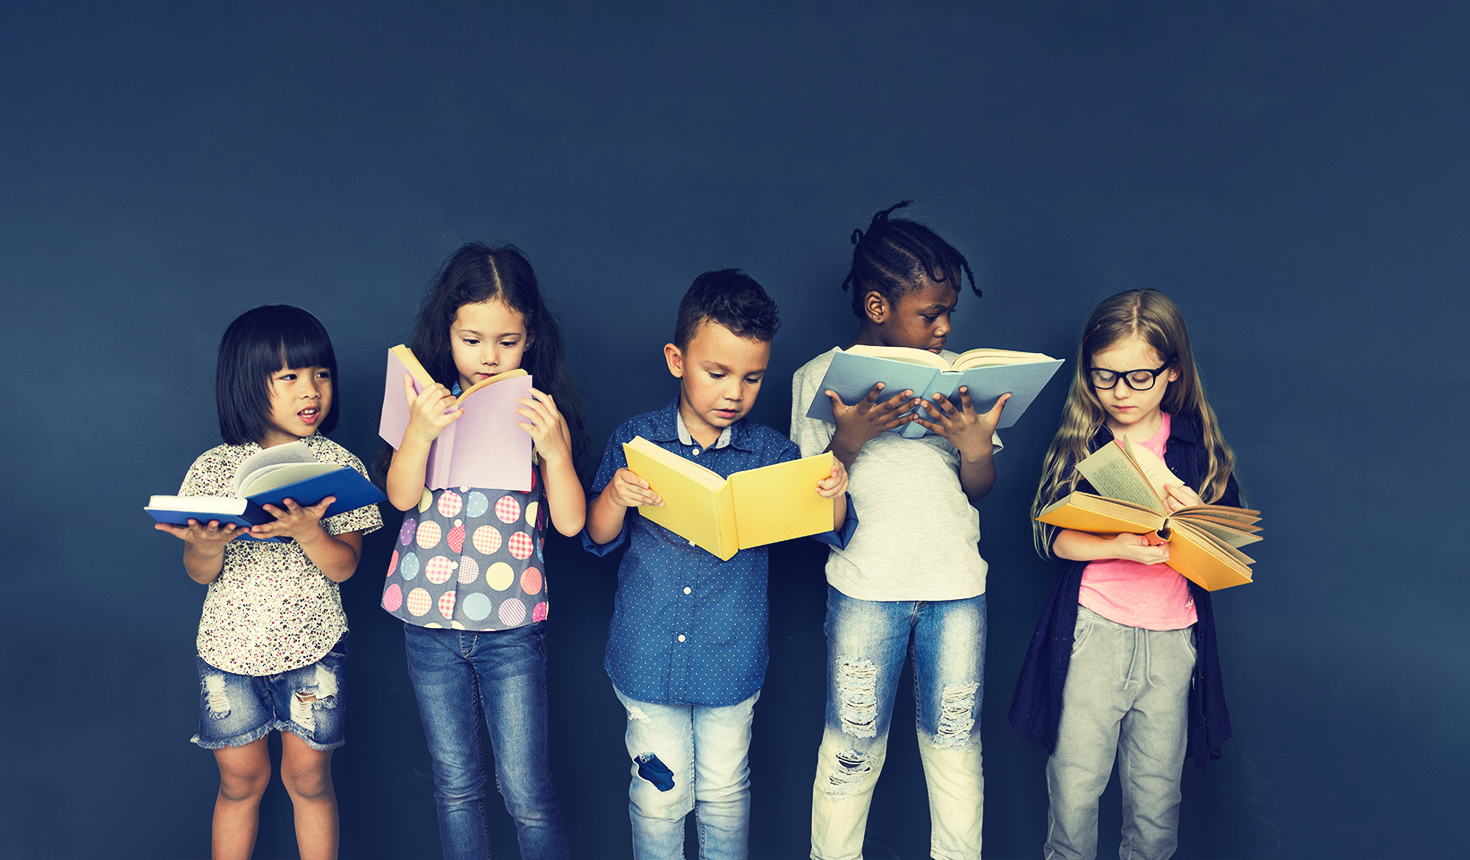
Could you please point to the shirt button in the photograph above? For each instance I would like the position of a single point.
(686, 589)
(696, 452)
(681, 637)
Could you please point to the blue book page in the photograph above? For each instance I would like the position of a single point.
(853, 376)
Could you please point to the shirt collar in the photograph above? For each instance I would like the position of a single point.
(669, 426)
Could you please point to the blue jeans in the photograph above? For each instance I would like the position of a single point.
(1126, 696)
(459, 675)
(867, 644)
(689, 757)
(235, 710)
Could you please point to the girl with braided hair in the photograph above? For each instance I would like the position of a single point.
(911, 583)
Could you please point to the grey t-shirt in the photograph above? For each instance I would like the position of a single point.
(918, 535)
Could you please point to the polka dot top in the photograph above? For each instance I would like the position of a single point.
(471, 559)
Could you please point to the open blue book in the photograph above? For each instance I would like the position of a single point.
(269, 478)
(988, 373)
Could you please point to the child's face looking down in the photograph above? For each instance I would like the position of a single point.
(487, 338)
(719, 376)
(1135, 414)
(920, 318)
(300, 398)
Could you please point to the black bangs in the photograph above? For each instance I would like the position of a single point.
(304, 343)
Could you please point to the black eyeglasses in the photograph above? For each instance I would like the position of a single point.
(1139, 380)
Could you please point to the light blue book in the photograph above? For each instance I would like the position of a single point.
(988, 373)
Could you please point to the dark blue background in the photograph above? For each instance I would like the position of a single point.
(1292, 172)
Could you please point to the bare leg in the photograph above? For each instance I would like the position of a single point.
(307, 774)
(244, 772)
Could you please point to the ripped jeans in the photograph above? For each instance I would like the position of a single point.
(689, 757)
(235, 710)
(867, 643)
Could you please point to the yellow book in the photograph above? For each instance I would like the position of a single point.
(751, 508)
(1203, 540)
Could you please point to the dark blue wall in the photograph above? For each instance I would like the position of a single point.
(1292, 172)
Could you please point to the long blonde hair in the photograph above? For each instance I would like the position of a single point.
(1147, 314)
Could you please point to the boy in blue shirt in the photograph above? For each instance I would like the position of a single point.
(686, 649)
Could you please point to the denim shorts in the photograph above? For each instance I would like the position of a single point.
(235, 710)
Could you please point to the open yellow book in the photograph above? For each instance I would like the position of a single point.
(1203, 540)
(749, 509)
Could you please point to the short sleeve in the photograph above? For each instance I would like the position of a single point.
(809, 434)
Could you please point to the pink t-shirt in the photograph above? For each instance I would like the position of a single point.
(1150, 596)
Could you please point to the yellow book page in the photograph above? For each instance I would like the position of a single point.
(697, 504)
(1158, 474)
(411, 362)
(1112, 474)
(990, 357)
(780, 502)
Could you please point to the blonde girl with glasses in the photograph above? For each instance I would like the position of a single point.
(1123, 662)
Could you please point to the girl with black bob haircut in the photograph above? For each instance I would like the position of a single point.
(271, 651)
(256, 345)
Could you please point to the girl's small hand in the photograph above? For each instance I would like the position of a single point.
(548, 429)
(206, 538)
(631, 491)
(1144, 549)
(967, 430)
(865, 419)
(834, 485)
(428, 413)
(294, 521)
(1179, 496)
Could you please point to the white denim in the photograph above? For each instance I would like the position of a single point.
(867, 644)
(689, 757)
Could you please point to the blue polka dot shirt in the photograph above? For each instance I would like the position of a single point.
(688, 628)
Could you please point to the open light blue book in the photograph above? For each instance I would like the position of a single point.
(988, 373)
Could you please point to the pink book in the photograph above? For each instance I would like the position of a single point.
(484, 447)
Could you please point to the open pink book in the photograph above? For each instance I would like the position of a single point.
(484, 447)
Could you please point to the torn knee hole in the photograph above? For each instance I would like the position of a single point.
(852, 769)
(956, 716)
(857, 689)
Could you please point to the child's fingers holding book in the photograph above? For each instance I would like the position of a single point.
(631, 491)
(429, 410)
(1179, 496)
(835, 484)
(201, 533)
(292, 519)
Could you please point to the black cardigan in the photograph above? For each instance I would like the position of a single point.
(1036, 709)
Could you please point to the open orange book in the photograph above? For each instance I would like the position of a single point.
(1203, 540)
(482, 448)
(750, 508)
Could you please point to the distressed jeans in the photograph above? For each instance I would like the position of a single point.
(867, 644)
(689, 757)
(458, 675)
(1126, 696)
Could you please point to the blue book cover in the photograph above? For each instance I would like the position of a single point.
(854, 372)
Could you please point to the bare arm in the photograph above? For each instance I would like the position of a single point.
(1084, 546)
(565, 499)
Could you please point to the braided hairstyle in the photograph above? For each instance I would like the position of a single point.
(895, 255)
